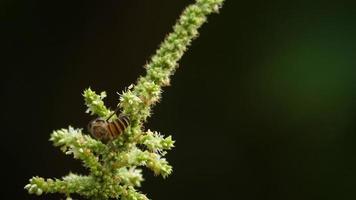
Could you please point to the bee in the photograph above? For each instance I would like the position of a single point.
(105, 130)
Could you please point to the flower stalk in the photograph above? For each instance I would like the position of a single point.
(114, 167)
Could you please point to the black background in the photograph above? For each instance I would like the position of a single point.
(262, 106)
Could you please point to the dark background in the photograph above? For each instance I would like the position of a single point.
(263, 106)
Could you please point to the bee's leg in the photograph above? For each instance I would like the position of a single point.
(115, 112)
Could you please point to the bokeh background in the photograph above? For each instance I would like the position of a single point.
(262, 107)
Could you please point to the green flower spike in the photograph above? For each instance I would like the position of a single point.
(114, 167)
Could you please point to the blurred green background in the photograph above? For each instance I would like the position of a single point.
(262, 107)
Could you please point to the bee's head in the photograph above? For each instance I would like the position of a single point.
(98, 129)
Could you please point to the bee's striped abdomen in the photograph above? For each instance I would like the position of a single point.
(118, 126)
(125, 120)
(113, 132)
(105, 131)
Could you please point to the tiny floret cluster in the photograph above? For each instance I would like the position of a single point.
(115, 166)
